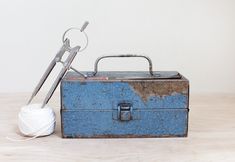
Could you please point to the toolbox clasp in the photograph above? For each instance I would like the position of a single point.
(125, 111)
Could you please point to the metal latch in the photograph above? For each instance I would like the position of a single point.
(124, 111)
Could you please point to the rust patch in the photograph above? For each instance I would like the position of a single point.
(159, 88)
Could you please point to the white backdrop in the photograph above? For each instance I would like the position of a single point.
(194, 37)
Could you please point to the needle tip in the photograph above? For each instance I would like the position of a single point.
(84, 26)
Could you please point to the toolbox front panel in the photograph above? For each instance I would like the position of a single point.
(101, 123)
(155, 108)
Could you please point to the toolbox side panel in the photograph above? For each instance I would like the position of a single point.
(99, 123)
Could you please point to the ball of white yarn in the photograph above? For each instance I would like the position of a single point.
(35, 121)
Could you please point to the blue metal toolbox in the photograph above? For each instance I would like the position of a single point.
(124, 104)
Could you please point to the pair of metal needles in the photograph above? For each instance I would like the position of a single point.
(66, 66)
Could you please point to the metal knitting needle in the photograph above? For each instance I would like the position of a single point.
(50, 68)
(66, 67)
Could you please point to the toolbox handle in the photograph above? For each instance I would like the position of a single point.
(128, 55)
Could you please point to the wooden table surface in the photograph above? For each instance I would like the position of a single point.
(211, 137)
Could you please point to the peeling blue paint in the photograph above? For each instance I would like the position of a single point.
(98, 95)
(90, 109)
(157, 122)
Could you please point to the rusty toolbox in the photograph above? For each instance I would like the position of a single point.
(124, 103)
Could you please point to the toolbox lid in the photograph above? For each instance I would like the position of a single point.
(124, 75)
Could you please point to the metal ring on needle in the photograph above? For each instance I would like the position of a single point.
(82, 31)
